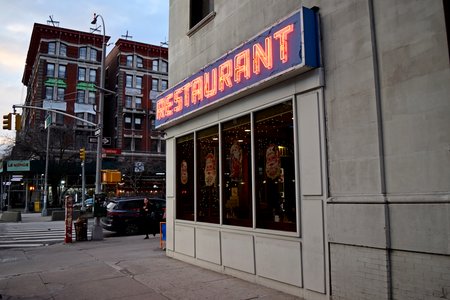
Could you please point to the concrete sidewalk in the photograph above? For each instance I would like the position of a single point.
(118, 267)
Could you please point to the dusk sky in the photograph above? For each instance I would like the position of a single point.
(145, 20)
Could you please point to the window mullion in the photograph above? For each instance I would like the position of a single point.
(253, 168)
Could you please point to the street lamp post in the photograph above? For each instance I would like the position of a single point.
(97, 231)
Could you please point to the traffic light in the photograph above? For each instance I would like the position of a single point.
(18, 122)
(7, 121)
(82, 154)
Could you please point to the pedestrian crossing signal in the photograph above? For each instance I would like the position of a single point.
(82, 154)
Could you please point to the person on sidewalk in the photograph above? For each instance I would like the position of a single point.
(148, 218)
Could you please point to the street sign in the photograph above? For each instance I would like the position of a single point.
(105, 141)
(112, 151)
(97, 131)
(48, 121)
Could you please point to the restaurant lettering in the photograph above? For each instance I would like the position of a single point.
(275, 51)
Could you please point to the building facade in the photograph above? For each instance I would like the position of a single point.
(307, 144)
(137, 73)
(61, 71)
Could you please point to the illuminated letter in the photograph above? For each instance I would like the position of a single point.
(160, 107)
(225, 73)
(197, 90)
(187, 94)
(282, 35)
(169, 104)
(210, 83)
(259, 55)
(242, 65)
(178, 100)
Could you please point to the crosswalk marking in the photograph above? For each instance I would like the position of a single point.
(16, 238)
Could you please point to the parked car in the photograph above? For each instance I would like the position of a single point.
(123, 214)
(88, 203)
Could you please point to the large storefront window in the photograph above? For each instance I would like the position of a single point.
(207, 175)
(272, 167)
(236, 172)
(275, 171)
(185, 178)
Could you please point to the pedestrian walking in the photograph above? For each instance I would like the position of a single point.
(148, 218)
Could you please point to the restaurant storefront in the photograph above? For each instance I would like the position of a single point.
(245, 160)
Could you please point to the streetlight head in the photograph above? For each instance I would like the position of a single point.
(94, 21)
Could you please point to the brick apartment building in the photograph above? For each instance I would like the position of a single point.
(62, 72)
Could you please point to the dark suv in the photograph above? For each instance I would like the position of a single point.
(123, 214)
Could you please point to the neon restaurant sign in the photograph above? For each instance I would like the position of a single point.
(288, 46)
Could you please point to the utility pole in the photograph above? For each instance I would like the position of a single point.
(97, 230)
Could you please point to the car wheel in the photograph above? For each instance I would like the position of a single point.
(131, 229)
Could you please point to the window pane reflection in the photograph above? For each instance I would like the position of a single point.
(207, 170)
(236, 172)
(185, 178)
(275, 172)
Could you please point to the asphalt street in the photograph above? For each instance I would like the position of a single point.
(117, 267)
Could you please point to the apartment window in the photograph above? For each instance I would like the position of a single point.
(128, 102)
(60, 94)
(129, 81)
(91, 98)
(129, 60)
(236, 172)
(137, 123)
(93, 55)
(154, 146)
(81, 74)
(127, 121)
(82, 53)
(137, 144)
(152, 124)
(59, 119)
(50, 70)
(155, 84)
(185, 177)
(164, 85)
(275, 172)
(81, 116)
(207, 175)
(155, 65)
(61, 71)
(139, 62)
(62, 49)
(127, 144)
(51, 48)
(164, 67)
(91, 117)
(138, 103)
(80, 96)
(48, 93)
(199, 9)
(92, 75)
(139, 82)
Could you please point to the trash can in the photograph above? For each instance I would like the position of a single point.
(37, 206)
(81, 226)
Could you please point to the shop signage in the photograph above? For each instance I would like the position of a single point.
(18, 165)
(288, 46)
(112, 151)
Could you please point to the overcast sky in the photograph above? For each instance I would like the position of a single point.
(145, 20)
